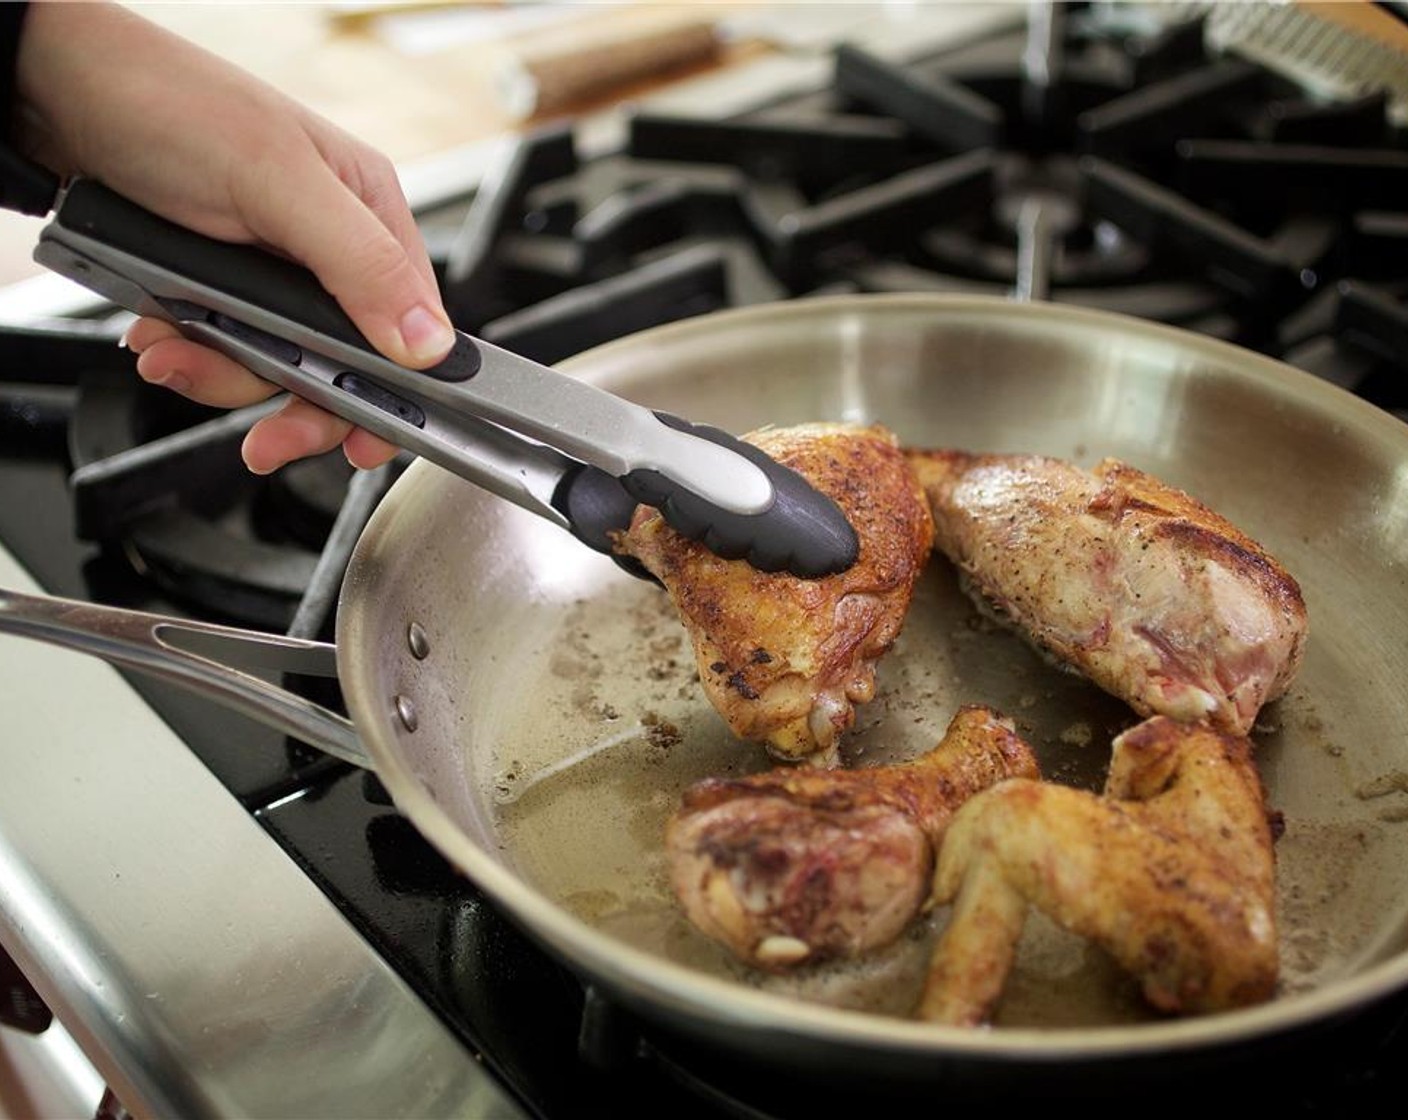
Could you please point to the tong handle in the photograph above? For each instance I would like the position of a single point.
(529, 475)
(246, 273)
(156, 267)
(588, 453)
(233, 298)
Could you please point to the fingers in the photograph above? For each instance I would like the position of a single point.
(363, 244)
(300, 429)
(380, 277)
(366, 451)
(297, 430)
(380, 191)
(165, 358)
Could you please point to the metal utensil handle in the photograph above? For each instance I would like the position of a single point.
(466, 414)
(489, 456)
(286, 301)
(186, 652)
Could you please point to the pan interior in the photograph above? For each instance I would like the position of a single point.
(560, 716)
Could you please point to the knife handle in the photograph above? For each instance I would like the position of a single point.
(543, 80)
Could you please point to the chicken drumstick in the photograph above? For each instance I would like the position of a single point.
(797, 864)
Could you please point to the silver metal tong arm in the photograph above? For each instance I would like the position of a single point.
(524, 473)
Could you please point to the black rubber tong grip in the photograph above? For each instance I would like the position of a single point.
(244, 272)
(803, 532)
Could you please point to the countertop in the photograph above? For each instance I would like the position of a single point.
(412, 79)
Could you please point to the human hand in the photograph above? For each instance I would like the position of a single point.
(204, 144)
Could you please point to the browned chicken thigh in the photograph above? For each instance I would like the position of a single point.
(798, 864)
(1153, 596)
(784, 660)
(1172, 872)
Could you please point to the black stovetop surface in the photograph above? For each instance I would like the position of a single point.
(1150, 178)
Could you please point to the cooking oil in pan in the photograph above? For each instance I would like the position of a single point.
(618, 727)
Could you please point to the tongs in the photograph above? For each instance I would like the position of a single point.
(570, 452)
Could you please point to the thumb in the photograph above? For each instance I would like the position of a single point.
(383, 281)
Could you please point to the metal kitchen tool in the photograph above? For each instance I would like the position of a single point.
(571, 453)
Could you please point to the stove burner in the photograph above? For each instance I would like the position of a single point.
(1087, 163)
(163, 480)
(302, 501)
(687, 283)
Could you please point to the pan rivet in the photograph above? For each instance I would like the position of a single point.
(419, 643)
(407, 711)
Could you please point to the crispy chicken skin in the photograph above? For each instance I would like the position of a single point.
(1153, 596)
(1172, 872)
(783, 659)
(798, 864)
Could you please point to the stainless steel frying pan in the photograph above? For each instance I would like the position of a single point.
(534, 711)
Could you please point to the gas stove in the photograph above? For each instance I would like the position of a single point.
(1089, 155)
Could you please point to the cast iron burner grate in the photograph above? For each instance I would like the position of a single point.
(1133, 173)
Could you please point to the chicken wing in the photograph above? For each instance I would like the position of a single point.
(1153, 596)
(1172, 872)
(798, 864)
(785, 660)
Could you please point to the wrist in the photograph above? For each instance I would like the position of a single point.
(46, 124)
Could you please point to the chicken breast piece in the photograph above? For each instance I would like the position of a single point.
(1172, 872)
(1153, 596)
(785, 660)
(799, 864)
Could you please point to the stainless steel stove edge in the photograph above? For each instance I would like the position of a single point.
(199, 969)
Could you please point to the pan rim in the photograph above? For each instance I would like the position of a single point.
(644, 979)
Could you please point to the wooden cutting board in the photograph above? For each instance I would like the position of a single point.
(410, 102)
